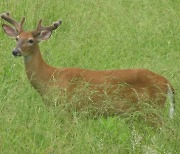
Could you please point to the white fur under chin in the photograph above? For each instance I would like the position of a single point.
(27, 59)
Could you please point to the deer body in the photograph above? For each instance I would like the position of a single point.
(126, 84)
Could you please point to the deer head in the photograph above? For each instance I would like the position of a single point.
(26, 41)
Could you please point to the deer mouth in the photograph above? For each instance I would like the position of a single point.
(16, 53)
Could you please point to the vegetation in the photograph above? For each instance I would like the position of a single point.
(99, 35)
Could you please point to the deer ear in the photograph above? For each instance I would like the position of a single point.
(44, 35)
(10, 30)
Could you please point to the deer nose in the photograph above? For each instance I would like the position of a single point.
(16, 52)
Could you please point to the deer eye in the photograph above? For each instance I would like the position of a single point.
(30, 41)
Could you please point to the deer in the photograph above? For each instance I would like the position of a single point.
(125, 86)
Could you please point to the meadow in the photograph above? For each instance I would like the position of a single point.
(99, 35)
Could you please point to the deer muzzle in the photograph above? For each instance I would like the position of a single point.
(16, 52)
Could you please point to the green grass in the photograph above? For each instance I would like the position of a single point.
(95, 34)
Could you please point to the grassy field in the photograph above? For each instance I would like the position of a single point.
(99, 35)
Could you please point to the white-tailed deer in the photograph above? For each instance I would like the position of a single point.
(126, 85)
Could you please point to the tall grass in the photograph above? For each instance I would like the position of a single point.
(95, 34)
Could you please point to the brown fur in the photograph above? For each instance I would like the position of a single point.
(133, 83)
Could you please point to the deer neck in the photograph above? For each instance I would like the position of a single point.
(37, 70)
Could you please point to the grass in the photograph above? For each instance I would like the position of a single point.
(95, 34)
